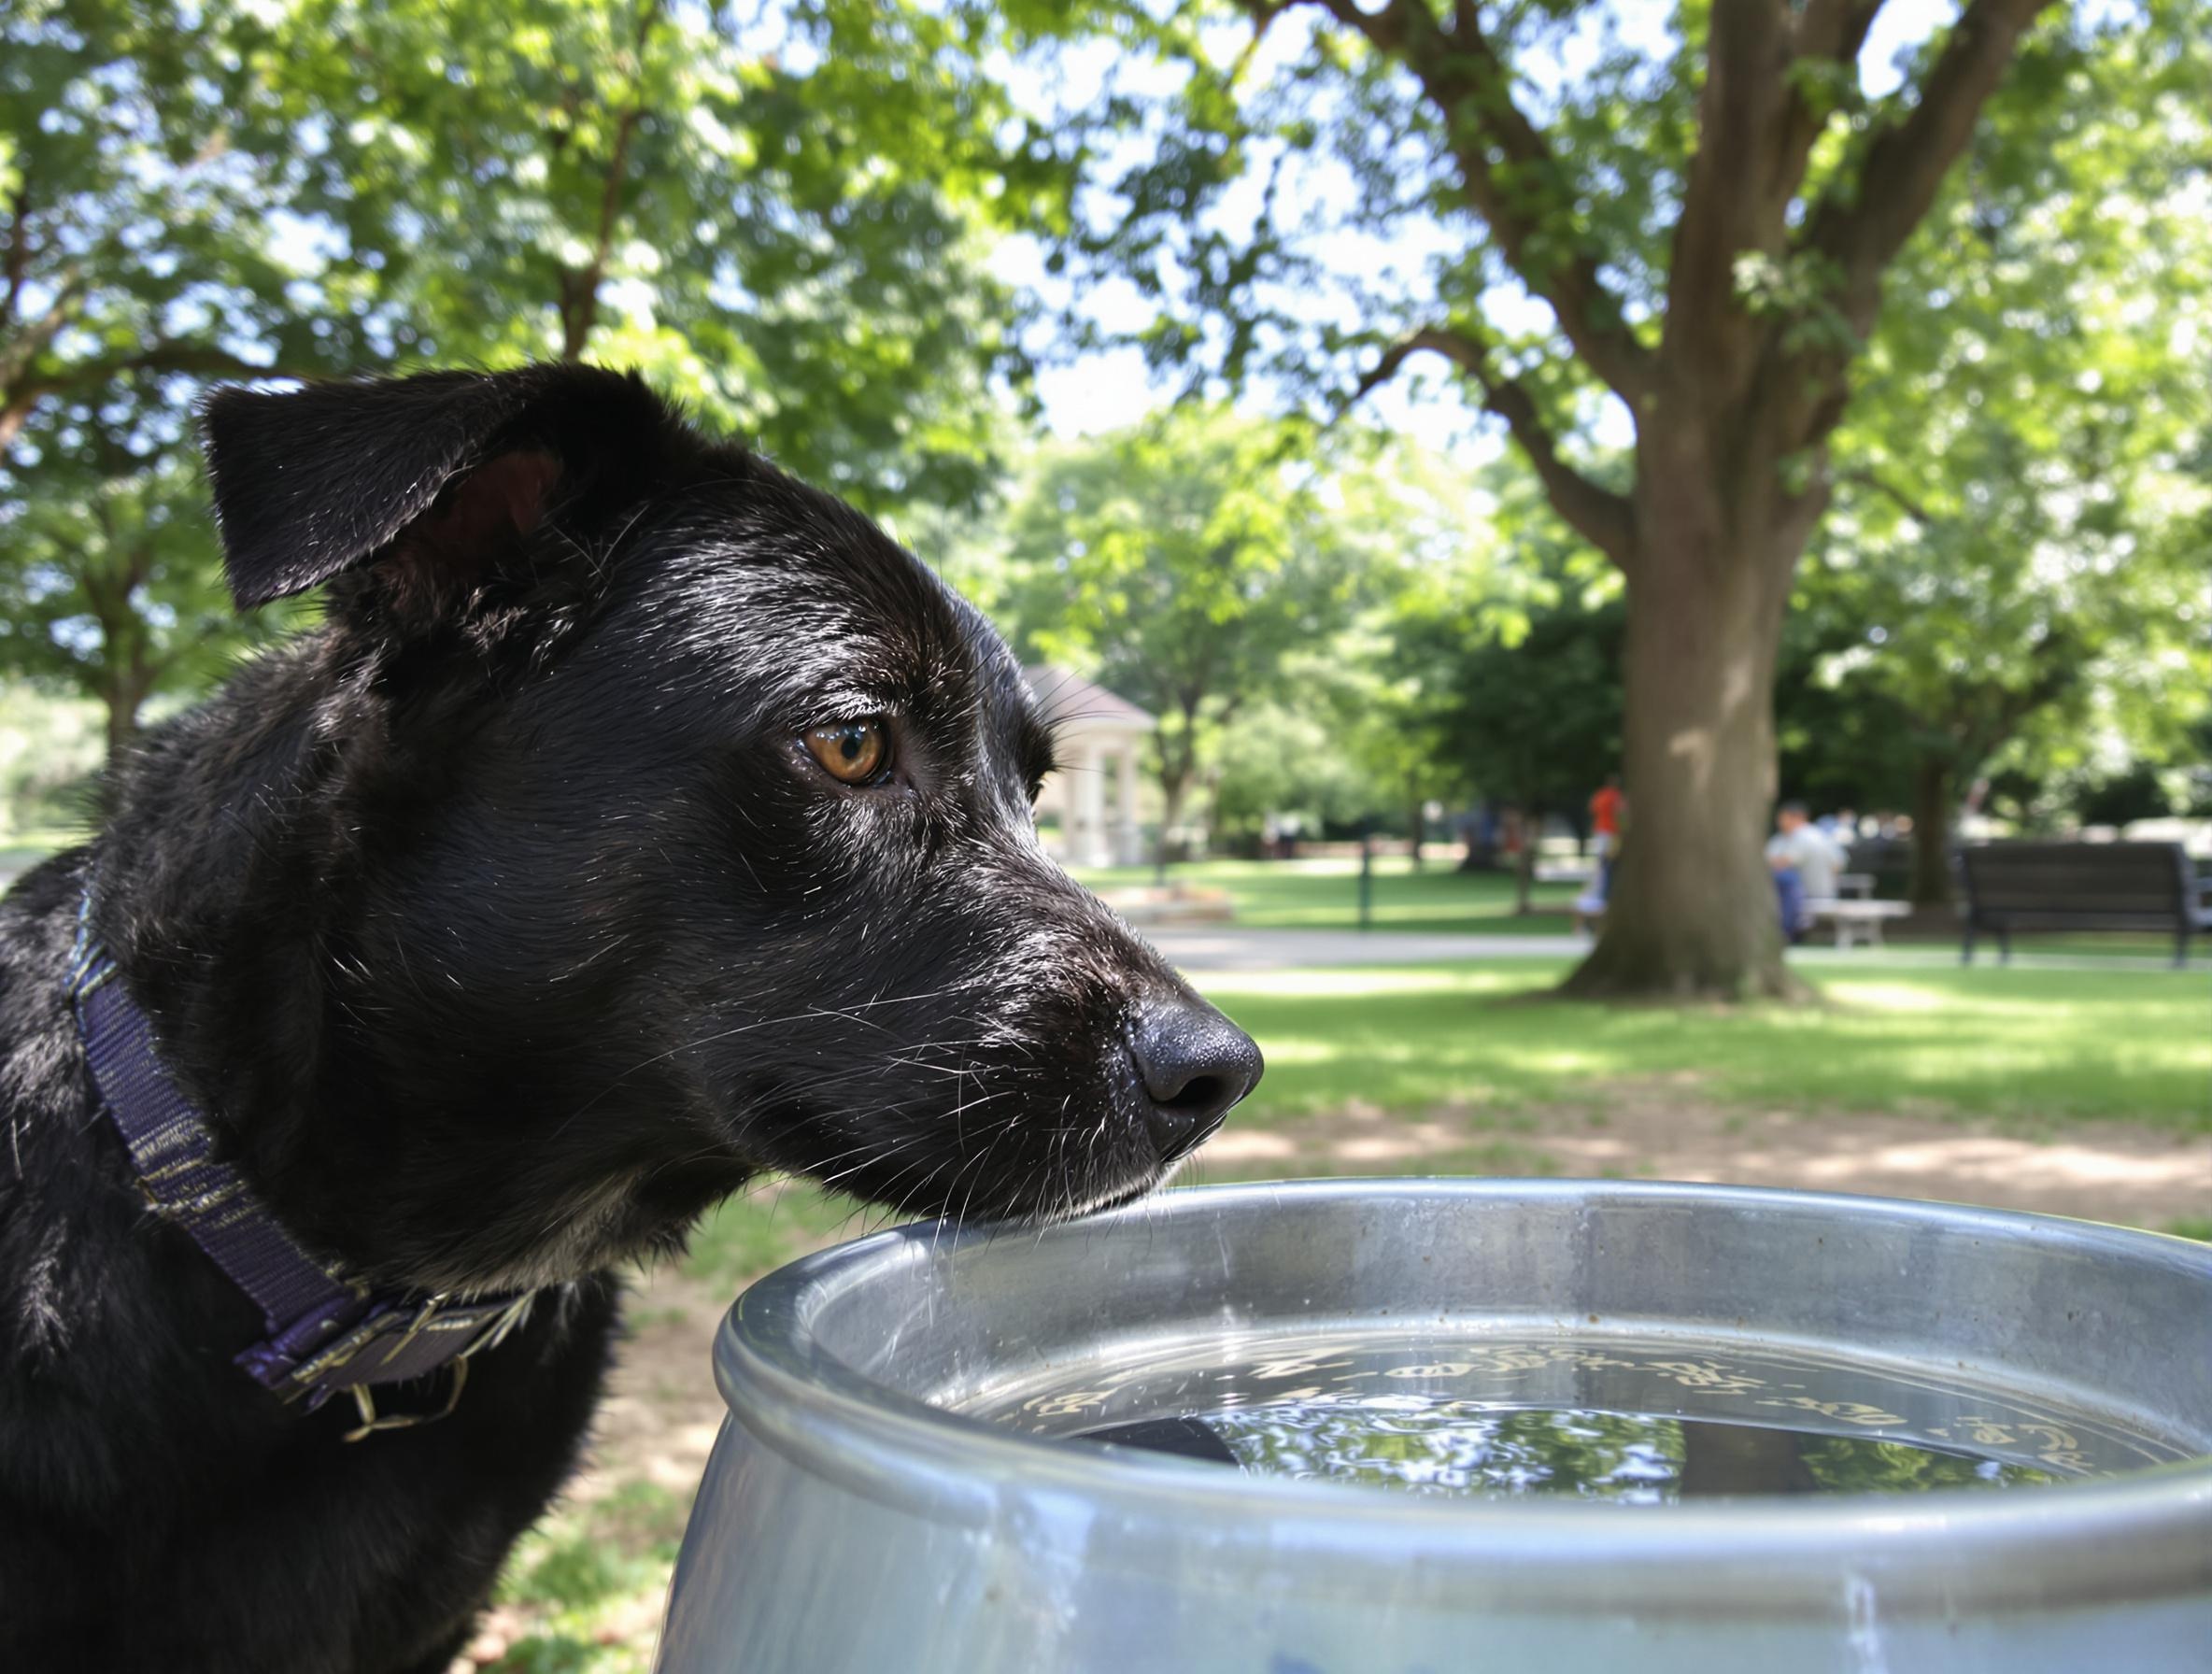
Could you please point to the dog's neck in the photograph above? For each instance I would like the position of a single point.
(208, 888)
(228, 883)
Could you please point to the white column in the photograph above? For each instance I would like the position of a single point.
(1128, 839)
(1088, 794)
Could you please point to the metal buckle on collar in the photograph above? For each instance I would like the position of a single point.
(310, 1375)
(489, 1334)
(400, 1330)
(364, 1402)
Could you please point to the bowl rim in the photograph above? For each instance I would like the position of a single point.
(2140, 1533)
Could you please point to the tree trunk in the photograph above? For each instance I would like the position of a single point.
(1177, 767)
(1416, 823)
(1174, 787)
(1693, 912)
(1524, 873)
(123, 692)
(1482, 847)
(1930, 832)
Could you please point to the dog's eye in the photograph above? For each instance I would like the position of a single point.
(853, 752)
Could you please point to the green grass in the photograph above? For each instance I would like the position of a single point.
(586, 1575)
(2034, 1046)
(1324, 895)
(2126, 943)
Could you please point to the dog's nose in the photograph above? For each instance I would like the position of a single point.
(1195, 1064)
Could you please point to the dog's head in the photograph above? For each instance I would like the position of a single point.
(669, 823)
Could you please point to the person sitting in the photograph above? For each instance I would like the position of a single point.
(1805, 862)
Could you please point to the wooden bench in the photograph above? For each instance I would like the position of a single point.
(2081, 886)
(1856, 918)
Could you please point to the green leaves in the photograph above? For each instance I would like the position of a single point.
(1512, 668)
(780, 217)
(1799, 290)
(783, 216)
(113, 584)
(1182, 563)
(2023, 492)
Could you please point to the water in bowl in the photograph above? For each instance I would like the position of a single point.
(1634, 1420)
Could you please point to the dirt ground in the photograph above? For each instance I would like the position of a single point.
(2100, 1171)
(660, 1417)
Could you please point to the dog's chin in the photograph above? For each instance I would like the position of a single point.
(1025, 1194)
(631, 1220)
(613, 1228)
(1070, 1201)
(1117, 1197)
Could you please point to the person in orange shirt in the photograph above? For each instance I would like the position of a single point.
(1606, 809)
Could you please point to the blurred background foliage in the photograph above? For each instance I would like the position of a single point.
(864, 235)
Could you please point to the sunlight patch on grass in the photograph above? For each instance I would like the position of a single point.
(1282, 1053)
(2035, 1046)
(1351, 983)
(1883, 996)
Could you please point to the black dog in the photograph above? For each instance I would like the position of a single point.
(639, 819)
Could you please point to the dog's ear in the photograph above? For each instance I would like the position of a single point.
(436, 475)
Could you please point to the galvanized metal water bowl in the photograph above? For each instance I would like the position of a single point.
(856, 1515)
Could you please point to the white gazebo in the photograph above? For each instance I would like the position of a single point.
(1094, 733)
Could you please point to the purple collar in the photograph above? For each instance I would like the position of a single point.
(325, 1332)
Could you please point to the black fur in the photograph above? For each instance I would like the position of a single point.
(500, 927)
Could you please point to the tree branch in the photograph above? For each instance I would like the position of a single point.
(1757, 122)
(1890, 491)
(1604, 518)
(17, 402)
(1906, 162)
(580, 290)
(18, 264)
(1835, 29)
(1464, 76)
(1724, 194)
(16, 356)
(1857, 229)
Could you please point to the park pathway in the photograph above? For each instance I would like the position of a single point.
(1215, 948)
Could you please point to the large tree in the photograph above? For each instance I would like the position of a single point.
(1693, 239)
